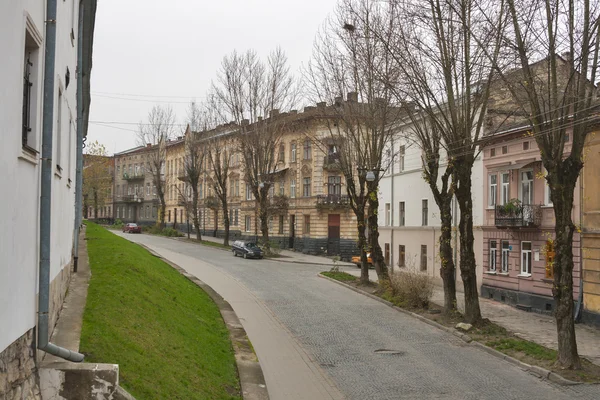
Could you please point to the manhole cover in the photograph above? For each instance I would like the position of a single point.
(391, 352)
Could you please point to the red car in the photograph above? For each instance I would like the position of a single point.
(132, 228)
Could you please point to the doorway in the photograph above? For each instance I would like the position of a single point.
(292, 230)
(333, 234)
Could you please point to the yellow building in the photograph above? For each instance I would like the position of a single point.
(591, 230)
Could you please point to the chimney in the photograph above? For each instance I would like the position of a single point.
(339, 100)
(245, 122)
(352, 96)
(274, 112)
(148, 145)
(321, 104)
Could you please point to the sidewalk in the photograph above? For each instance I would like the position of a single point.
(537, 328)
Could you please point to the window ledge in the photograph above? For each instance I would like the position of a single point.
(503, 273)
(29, 155)
(490, 272)
(524, 276)
(58, 173)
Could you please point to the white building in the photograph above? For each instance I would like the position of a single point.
(409, 218)
(23, 71)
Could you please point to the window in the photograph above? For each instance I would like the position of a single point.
(306, 187)
(169, 220)
(237, 187)
(505, 198)
(118, 212)
(248, 223)
(248, 192)
(401, 153)
(504, 149)
(181, 215)
(282, 153)
(424, 212)
(147, 189)
(527, 187)
(526, 145)
(30, 88)
(525, 258)
(492, 152)
(401, 256)
(550, 259)
(293, 188)
(493, 254)
(423, 257)
(334, 185)
(154, 190)
(231, 186)
(235, 216)
(493, 190)
(387, 214)
(272, 191)
(307, 224)
(402, 214)
(147, 212)
(201, 191)
(270, 223)
(307, 150)
(293, 152)
(153, 211)
(280, 230)
(505, 254)
(282, 187)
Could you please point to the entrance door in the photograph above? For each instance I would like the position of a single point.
(292, 230)
(333, 234)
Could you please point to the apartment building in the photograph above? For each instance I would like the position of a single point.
(45, 102)
(409, 218)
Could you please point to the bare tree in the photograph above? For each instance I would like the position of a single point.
(251, 94)
(555, 95)
(97, 176)
(347, 59)
(156, 132)
(446, 78)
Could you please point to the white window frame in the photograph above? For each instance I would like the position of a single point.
(387, 214)
(492, 190)
(401, 156)
(526, 259)
(248, 223)
(294, 151)
(505, 188)
(505, 256)
(249, 195)
(531, 188)
(402, 213)
(424, 212)
(293, 189)
(492, 264)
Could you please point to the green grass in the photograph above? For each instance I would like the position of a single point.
(530, 349)
(165, 332)
(339, 276)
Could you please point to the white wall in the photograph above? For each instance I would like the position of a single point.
(20, 182)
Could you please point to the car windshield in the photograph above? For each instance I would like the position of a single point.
(252, 245)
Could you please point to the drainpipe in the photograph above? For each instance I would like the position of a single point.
(579, 309)
(79, 163)
(392, 214)
(46, 192)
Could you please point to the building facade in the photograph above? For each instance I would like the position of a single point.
(23, 74)
(409, 218)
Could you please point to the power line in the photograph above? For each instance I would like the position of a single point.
(144, 95)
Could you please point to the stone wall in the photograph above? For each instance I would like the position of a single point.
(18, 372)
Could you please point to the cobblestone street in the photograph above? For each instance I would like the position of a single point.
(318, 340)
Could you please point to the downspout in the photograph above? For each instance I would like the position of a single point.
(392, 216)
(579, 309)
(46, 192)
(79, 163)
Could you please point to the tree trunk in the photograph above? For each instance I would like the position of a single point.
(95, 204)
(447, 270)
(468, 264)
(376, 253)
(195, 218)
(362, 245)
(163, 210)
(226, 221)
(562, 290)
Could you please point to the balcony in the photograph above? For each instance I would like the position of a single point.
(135, 176)
(332, 201)
(331, 162)
(516, 215)
(131, 198)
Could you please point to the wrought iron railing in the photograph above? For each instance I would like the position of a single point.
(518, 215)
(333, 200)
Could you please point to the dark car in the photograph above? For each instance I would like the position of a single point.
(132, 228)
(246, 249)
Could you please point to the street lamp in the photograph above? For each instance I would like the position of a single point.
(370, 177)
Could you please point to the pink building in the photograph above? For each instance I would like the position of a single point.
(518, 223)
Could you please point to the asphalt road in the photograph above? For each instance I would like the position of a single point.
(316, 339)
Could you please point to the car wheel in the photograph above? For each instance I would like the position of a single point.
(245, 256)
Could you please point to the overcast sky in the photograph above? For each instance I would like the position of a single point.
(150, 52)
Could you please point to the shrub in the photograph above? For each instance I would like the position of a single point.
(118, 224)
(170, 232)
(410, 289)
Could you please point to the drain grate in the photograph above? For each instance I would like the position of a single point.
(390, 352)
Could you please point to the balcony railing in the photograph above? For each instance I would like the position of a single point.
(132, 198)
(332, 200)
(518, 215)
(331, 161)
(134, 176)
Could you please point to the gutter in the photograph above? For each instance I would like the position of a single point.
(79, 150)
(46, 192)
(579, 309)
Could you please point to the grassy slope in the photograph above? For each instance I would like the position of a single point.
(165, 333)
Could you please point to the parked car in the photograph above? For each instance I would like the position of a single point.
(357, 262)
(132, 228)
(246, 249)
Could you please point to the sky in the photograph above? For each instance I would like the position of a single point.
(149, 52)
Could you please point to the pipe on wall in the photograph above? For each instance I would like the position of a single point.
(46, 192)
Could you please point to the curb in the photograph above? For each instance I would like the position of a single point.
(539, 372)
(252, 379)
